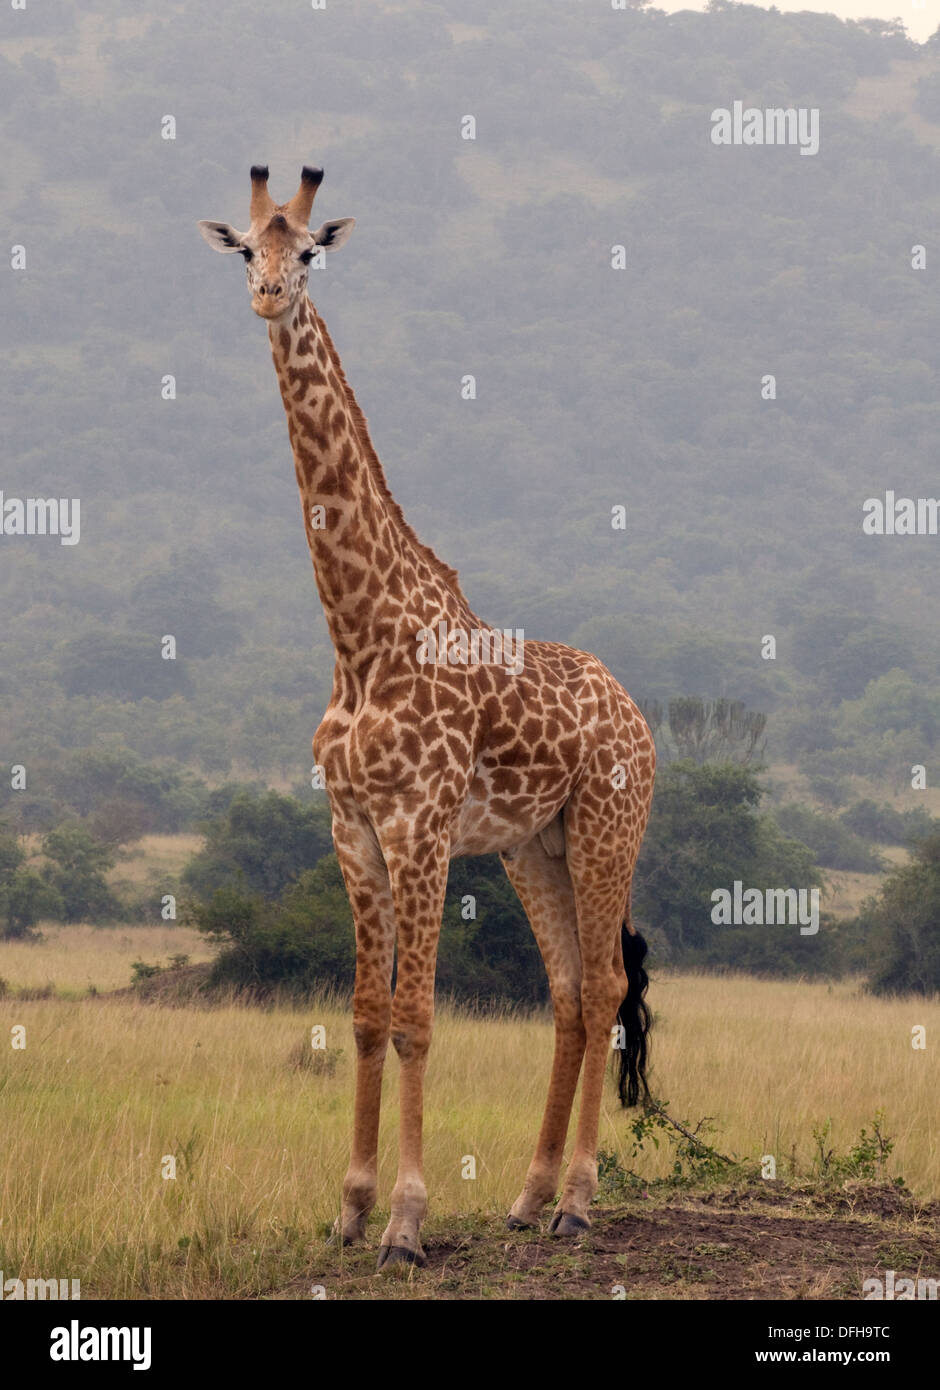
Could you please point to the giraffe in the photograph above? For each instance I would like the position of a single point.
(545, 760)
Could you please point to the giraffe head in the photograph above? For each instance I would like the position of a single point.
(278, 245)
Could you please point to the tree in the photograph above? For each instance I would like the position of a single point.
(76, 872)
(301, 942)
(127, 666)
(25, 897)
(900, 925)
(261, 844)
(492, 955)
(893, 702)
(304, 940)
(832, 841)
(180, 600)
(885, 824)
(126, 797)
(714, 731)
(883, 28)
(704, 834)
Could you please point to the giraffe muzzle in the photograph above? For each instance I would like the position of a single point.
(270, 301)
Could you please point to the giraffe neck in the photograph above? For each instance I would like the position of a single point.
(378, 584)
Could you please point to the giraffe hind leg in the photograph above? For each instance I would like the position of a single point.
(544, 886)
(552, 837)
(602, 843)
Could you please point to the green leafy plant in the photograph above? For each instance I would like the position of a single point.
(867, 1159)
(693, 1159)
(141, 971)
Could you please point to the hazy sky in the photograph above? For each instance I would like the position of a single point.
(921, 20)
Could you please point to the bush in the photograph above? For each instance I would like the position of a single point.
(775, 952)
(706, 832)
(77, 874)
(491, 958)
(927, 101)
(305, 940)
(298, 944)
(126, 666)
(262, 844)
(831, 791)
(127, 797)
(901, 926)
(25, 896)
(833, 843)
(885, 824)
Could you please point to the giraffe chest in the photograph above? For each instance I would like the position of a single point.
(396, 764)
(487, 758)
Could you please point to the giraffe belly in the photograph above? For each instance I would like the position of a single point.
(480, 829)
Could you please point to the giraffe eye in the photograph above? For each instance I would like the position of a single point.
(307, 256)
(246, 252)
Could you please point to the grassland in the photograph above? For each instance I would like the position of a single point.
(71, 962)
(107, 1088)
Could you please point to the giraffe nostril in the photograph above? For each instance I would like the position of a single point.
(278, 290)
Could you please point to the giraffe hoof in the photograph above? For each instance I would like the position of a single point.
(516, 1223)
(565, 1223)
(348, 1235)
(399, 1255)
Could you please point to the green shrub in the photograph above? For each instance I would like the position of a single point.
(900, 925)
(300, 943)
(76, 872)
(886, 825)
(834, 844)
(262, 844)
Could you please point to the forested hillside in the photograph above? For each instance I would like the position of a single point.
(596, 387)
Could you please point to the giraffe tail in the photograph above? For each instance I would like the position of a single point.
(635, 1019)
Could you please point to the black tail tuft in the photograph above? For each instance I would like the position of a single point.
(635, 1019)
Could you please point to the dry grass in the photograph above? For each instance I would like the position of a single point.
(893, 94)
(846, 891)
(155, 856)
(105, 1090)
(77, 959)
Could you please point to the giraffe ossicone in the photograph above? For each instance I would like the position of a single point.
(545, 760)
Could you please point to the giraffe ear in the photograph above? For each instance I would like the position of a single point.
(332, 234)
(220, 236)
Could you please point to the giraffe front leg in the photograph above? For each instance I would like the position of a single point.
(370, 897)
(419, 880)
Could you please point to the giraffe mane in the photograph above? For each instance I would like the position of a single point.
(450, 576)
